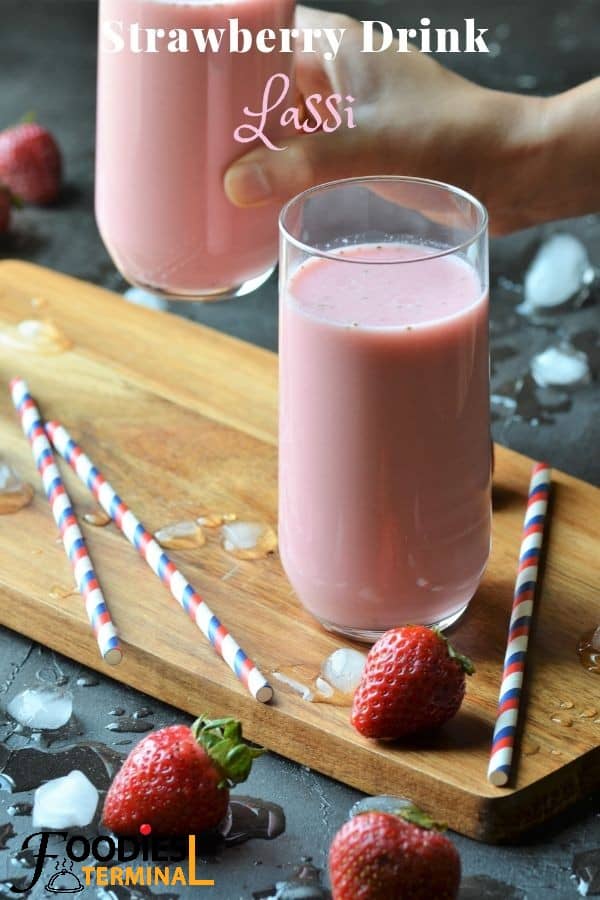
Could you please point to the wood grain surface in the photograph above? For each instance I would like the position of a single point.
(182, 419)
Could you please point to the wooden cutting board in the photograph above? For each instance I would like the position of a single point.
(183, 419)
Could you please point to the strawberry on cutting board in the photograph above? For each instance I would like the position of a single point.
(413, 681)
(177, 779)
(379, 856)
(30, 163)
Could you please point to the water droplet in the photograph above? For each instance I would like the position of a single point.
(35, 336)
(180, 536)
(20, 809)
(117, 711)
(567, 721)
(302, 689)
(482, 887)
(58, 592)
(215, 520)
(98, 518)
(556, 752)
(588, 650)
(6, 833)
(566, 704)
(27, 768)
(14, 493)
(142, 713)
(248, 818)
(43, 708)
(529, 747)
(87, 681)
(305, 884)
(248, 540)
(588, 713)
(129, 725)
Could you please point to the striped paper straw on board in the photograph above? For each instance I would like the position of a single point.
(62, 510)
(511, 687)
(161, 565)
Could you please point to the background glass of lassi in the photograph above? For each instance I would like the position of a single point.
(165, 137)
(385, 463)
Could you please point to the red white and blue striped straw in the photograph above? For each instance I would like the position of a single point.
(511, 687)
(161, 565)
(64, 516)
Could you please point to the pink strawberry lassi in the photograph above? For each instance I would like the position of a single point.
(384, 436)
(165, 138)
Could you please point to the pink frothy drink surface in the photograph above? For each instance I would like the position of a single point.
(384, 436)
(165, 139)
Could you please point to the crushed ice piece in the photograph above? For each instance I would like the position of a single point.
(503, 406)
(324, 687)
(586, 872)
(248, 540)
(560, 270)
(180, 536)
(297, 686)
(44, 708)
(14, 493)
(144, 298)
(36, 336)
(343, 669)
(65, 802)
(382, 803)
(561, 366)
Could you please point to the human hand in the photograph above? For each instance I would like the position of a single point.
(414, 117)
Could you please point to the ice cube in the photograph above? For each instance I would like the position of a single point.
(65, 802)
(560, 270)
(343, 669)
(44, 708)
(560, 366)
(248, 540)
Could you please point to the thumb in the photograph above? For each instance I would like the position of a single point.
(266, 176)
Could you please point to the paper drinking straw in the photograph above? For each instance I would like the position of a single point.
(507, 716)
(161, 565)
(64, 516)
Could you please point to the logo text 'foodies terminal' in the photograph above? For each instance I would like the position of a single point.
(172, 861)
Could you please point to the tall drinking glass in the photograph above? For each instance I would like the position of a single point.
(165, 137)
(385, 468)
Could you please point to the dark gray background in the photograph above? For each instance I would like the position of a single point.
(47, 64)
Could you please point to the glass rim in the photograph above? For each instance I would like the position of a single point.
(481, 210)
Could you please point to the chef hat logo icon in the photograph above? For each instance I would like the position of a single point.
(64, 880)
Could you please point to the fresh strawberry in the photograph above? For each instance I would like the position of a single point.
(378, 856)
(5, 209)
(413, 681)
(177, 779)
(30, 163)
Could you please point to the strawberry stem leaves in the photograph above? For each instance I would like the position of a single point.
(464, 662)
(222, 740)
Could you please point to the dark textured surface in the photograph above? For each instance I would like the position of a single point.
(47, 63)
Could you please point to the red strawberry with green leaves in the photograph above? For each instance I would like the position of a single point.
(177, 779)
(379, 856)
(30, 163)
(413, 681)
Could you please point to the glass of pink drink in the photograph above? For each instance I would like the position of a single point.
(165, 137)
(384, 441)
